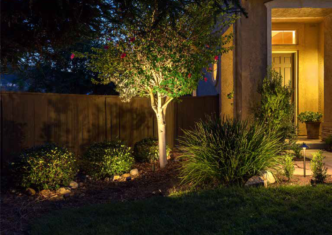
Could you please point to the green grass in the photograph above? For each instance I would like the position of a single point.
(285, 210)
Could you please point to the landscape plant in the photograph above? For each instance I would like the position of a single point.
(45, 167)
(275, 109)
(318, 168)
(147, 150)
(297, 151)
(328, 142)
(167, 62)
(228, 152)
(289, 167)
(309, 116)
(106, 159)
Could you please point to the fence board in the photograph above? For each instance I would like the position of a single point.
(76, 121)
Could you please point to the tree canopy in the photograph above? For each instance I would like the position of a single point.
(35, 29)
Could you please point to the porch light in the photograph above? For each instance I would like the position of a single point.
(304, 147)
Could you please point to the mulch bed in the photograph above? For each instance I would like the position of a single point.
(18, 209)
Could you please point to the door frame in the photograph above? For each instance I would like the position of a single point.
(295, 78)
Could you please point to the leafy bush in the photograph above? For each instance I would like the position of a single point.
(228, 152)
(147, 150)
(328, 142)
(318, 168)
(45, 167)
(106, 159)
(289, 166)
(310, 116)
(297, 150)
(275, 109)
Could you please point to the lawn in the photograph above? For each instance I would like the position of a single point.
(282, 210)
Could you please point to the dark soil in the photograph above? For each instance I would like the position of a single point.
(18, 209)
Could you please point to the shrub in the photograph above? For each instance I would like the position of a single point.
(297, 150)
(318, 168)
(107, 159)
(228, 152)
(45, 167)
(275, 109)
(310, 116)
(328, 142)
(289, 167)
(147, 150)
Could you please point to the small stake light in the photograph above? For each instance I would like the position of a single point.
(304, 147)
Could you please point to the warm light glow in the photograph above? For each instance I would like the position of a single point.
(283, 37)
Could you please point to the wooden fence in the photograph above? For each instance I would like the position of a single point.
(76, 121)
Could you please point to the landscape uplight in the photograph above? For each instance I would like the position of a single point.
(304, 147)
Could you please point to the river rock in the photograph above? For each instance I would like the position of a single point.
(134, 173)
(73, 185)
(63, 191)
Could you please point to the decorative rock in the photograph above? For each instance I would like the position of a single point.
(255, 181)
(73, 185)
(45, 193)
(134, 173)
(125, 176)
(31, 191)
(107, 179)
(63, 191)
(81, 184)
(128, 178)
(116, 177)
(268, 176)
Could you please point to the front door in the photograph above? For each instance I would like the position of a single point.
(284, 65)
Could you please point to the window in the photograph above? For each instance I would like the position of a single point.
(283, 37)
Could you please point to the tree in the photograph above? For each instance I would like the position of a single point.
(36, 28)
(163, 64)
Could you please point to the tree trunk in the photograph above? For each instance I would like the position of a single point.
(162, 139)
(159, 106)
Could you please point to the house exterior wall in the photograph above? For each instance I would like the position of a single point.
(227, 80)
(327, 125)
(250, 57)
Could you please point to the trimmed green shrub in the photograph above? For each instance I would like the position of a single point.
(289, 167)
(106, 159)
(310, 116)
(318, 168)
(228, 152)
(328, 142)
(275, 109)
(147, 150)
(45, 167)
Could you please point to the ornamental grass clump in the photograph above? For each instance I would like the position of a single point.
(228, 152)
(318, 168)
(45, 167)
(106, 159)
(147, 150)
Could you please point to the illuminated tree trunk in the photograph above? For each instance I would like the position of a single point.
(159, 106)
(162, 138)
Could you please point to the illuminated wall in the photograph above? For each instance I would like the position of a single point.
(227, 81)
